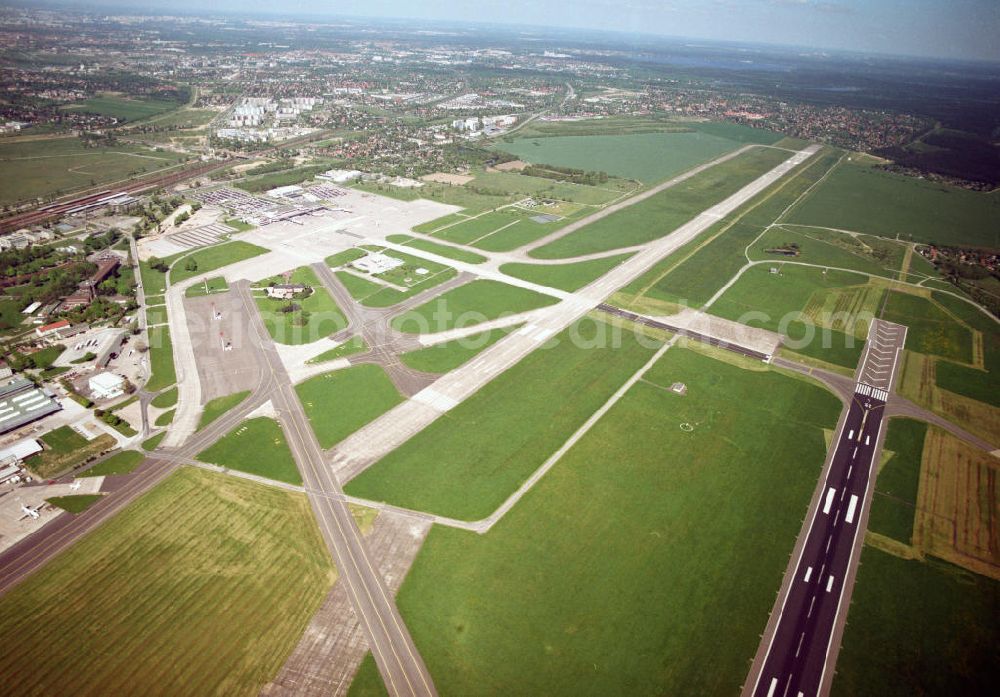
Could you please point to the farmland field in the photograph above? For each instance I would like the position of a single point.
(256, 446)
(247, 570)
(470, 304)
(646, 157)
(632, 529)
(341, 402)
(465, 465)
(663, 213)
(46, 168)
(861, 198)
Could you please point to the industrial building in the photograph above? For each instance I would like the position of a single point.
(21, 403)
(376, 263)
(106, 386)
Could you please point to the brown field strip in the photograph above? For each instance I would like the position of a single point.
(202, 586)
(958, 506)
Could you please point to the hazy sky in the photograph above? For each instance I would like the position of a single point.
(940, 28)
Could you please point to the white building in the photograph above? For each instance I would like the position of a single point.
(16, 453)
(339, 176)
(106, 386)
(376, 263)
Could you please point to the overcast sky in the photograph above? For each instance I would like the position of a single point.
(933, 28)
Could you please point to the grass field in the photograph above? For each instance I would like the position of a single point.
(647, 157)
(930, 623)
(45, 168)
(465, 465)
(156, 315)
(782, 300)
(368, 682)
(339, 403)
(615, 574)
(119, 463)
(122, 108)
(150, 444)
(827, 248)
(663, 213)
(930, 330)
(247, 570)
(212, 258)
(568, 277)
(210, 286)
(165, 419)
(350, 347)
(972, 382)
(372, 294)
(65, 448)
(75, 503)
(861, 198)
(470, 304)
(256, 446)
(442, 249)
(318, 315)
(542, 187)
(496, 231)
(893, 506)
(161, 359)
(165, 399)
(442, 358)
(215, 408)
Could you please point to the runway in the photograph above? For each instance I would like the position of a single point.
(397, 657)
(800, 647)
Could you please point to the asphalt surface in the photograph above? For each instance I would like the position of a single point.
(799, 649)
(395, 653)
(681, 331)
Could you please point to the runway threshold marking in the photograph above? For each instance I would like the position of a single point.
(850, 508)
(829, 500)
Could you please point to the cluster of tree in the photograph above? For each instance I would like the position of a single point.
(19, 262)
(99, 241)
(154, 212)
(56, 283)
(26, 361)
(576, 176)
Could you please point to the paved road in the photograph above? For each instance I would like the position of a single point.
(397, 657)
(799, 648)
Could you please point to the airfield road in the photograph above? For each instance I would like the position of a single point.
(395, 653)
(800, 645)
(369, 444)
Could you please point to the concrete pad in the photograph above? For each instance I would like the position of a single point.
(15, 524)
(761, 340)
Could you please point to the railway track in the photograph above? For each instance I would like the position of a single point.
(58, 209)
